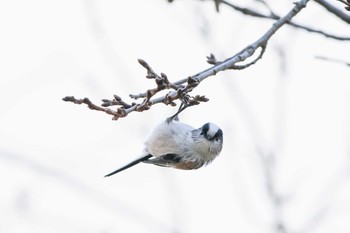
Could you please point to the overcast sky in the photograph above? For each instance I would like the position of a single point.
(289, 107)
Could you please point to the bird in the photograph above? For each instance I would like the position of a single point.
(178, 145)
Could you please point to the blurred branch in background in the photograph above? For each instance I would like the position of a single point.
(95, 195)
(333, 60)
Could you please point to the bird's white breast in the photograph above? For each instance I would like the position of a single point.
(168, 138)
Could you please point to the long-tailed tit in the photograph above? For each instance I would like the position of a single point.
(178, 145)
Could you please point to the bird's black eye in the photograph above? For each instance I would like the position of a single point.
(218, 135)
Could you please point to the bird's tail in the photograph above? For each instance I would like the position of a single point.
(133, 163)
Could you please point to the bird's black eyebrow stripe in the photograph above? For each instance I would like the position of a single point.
(205, 128)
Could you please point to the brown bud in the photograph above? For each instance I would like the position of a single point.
(117, 98)
(192, 81)
(159, 81)
(105, 104)
(143, 63)
(211, 59)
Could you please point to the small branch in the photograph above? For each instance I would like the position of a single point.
(263, 49)
(319, 32)
(211, 59)
(217, 4)
(274, 16)
(116, 114)
(347, 3)
(334, 10)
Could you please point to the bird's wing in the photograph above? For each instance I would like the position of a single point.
(175, 161)
(168, 160)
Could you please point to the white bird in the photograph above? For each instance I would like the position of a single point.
(178, 145)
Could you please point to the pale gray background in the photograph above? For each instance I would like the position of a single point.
(54, 154)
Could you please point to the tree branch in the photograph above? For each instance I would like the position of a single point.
(180, 91)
